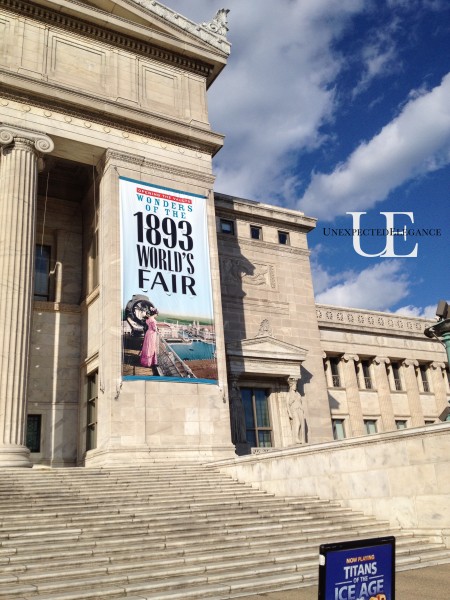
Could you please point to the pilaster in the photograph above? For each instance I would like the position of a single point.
(20, 153)
(353, 399)
(440, 391)
(384, 393)
(412, 390)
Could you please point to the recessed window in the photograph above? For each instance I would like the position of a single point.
(423, 370)
(255, 232)
(92, 397)
(370, 425)
(42, 273)
(401, 424)
(257, 418)
(283, 238)
(227, 226)
(34, 426)
(430, 422)
(338, 429)
(395, 370)
(364, 375)
(334, 366)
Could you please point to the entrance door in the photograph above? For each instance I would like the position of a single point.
(257, 417)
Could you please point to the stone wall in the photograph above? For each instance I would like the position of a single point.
(401, 476)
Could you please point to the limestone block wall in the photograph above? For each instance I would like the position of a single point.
(401, 476)
(54, 381)
(263, 280)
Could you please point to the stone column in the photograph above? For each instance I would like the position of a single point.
(384, 393)
(412, 390)
(353, 399)
(18, 192)
(440, 390)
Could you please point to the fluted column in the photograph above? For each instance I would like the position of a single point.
(384, 393)
(440, 389)
(18, 191)
(353, 400)
(412, 390)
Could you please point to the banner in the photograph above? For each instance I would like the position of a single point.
(167, 311)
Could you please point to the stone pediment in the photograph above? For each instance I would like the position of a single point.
(158, 17)
(265, 355)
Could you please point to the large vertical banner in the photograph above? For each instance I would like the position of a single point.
(167, 311)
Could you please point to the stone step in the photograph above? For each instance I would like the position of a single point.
(161, 520)
(164, 531)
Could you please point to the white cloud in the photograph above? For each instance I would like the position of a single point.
(378, 287)
(379, 56)
(277, 89)
(414, 143)
(428, 312)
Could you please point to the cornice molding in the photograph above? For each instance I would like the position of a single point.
(152, 165)
(366, 321)
(103, 34)
(55, 104)
(268, 245)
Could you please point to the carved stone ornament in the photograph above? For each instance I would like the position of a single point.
(213, 33)
(41, 142)
(353, 357)
(219, 23)
(378, 360)
(265, 329)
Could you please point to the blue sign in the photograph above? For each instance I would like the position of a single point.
(361, 570)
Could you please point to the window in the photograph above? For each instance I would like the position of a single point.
(255, 232)
(334, 366)
(92, 270)
(424, 378)
(92, 397)
(395, 370)
(34, 425)
(364, 375)
(401, 424)
(430, 422)
(283, 238)
(226, 226)
(257, 418)
(42, 272)
(338, 429)
(370, 425)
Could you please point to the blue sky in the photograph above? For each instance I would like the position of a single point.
(336, 106)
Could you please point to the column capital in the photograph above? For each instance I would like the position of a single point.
(408, 362)
(438, 365)
(39, 141)
(381, 359)
(348, 357)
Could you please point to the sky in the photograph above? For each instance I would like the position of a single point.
(343, 106)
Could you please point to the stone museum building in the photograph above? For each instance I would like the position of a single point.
(113, 241)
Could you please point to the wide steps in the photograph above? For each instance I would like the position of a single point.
(167, 532)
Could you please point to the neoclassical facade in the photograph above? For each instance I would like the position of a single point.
(97, 93)
(362, 372)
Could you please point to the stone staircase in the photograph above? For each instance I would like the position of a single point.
(168, 532)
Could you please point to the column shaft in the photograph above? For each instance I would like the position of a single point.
(384, 394)
(353, 400)
(412, 390)
(18, 190)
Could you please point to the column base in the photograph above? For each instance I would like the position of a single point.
(14, 456)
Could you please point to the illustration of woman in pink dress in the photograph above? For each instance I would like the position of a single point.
(149, 350)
